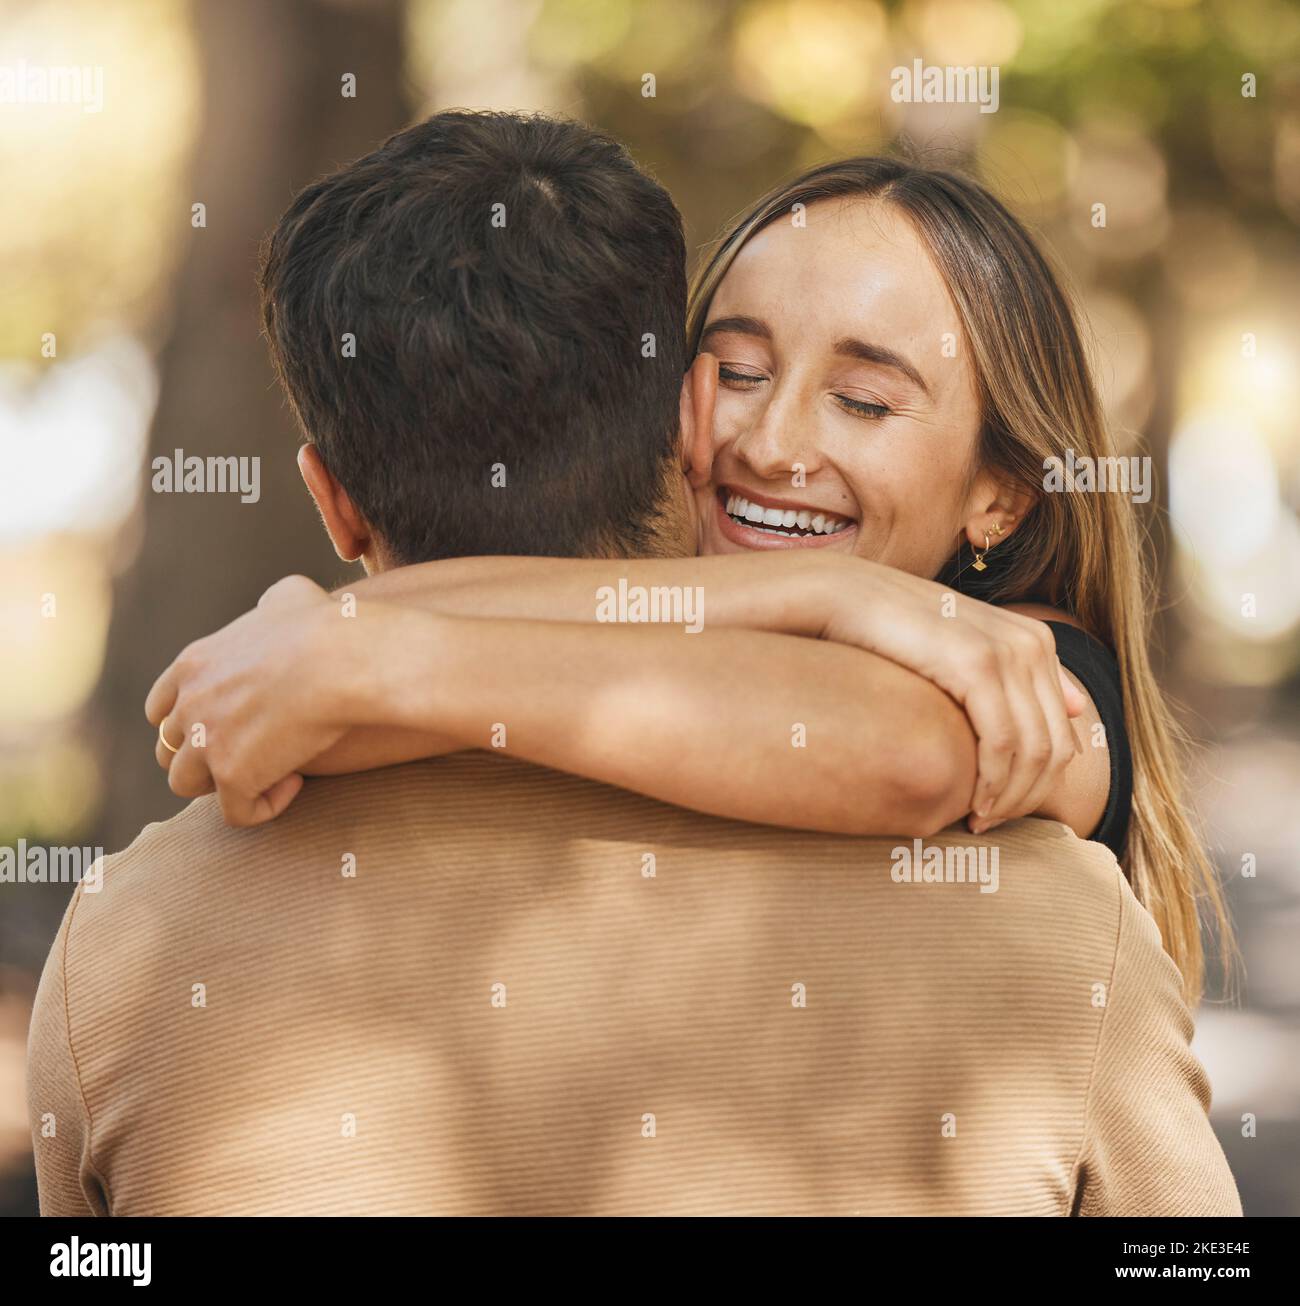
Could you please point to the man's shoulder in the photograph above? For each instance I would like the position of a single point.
(155, 877)
(1050, 870)
(199, 838)
(194, 863)
(1030, 898)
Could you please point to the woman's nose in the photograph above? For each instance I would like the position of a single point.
(774, 447)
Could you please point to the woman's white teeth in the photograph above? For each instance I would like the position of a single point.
(785, 519)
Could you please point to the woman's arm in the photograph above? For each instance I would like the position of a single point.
(766, 728)
(889, 728)
(790, 597)
(995, 662)
(690, 718)
(749, 725)
(791, 593)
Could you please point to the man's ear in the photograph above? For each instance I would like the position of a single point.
(996, 506)
(345, 526)
(699, 393)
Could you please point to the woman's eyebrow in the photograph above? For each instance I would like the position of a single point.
(744, 326)
(852, 348)
(848, 346)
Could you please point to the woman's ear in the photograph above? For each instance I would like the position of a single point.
(996, 507)
(699, 392)
(347, 529)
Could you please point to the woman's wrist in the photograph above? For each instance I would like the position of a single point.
(400, 664)
(818, 589)
(781, 593)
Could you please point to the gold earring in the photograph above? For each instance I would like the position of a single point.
(980, 564)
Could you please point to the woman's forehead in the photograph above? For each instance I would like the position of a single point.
(839, 257)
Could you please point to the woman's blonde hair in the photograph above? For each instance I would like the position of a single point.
(1076, 551)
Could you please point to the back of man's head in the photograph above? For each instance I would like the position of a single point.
(480, 325)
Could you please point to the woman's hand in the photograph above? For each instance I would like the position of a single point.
(1000, 666)
(249, 706)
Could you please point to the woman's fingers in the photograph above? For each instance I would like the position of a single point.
(162, 696)
(990, 717)
(1041, 701)
(1065, 746)
(1033, 747)
(173, 729)
(1071, 694)
(1052, 690)
(279, 796)
(1061, 700)
(240, 810)
(188, 776)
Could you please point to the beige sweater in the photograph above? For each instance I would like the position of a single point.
(473, 986)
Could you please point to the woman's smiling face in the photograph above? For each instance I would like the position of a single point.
(830, 340)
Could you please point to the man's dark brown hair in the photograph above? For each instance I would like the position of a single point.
(515, 290)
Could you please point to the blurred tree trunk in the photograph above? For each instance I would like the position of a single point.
(273, 118)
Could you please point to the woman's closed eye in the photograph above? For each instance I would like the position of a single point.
(737, 378)
(861, 407)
